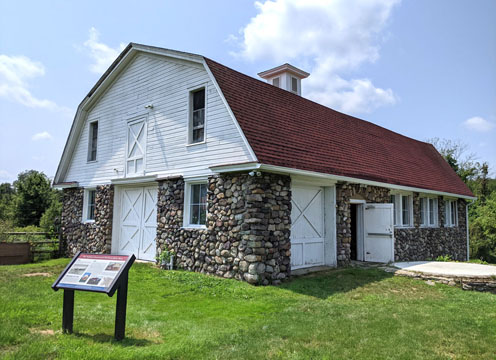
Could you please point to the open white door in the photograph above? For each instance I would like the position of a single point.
(378, 233)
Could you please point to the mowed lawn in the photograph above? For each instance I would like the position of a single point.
(341, 314)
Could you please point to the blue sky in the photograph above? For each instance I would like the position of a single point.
(422, 68)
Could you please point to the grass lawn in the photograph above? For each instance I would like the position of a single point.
(342, 314)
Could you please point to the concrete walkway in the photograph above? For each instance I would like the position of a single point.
(448, 269)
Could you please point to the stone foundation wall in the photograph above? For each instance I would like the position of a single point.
(247, 236)
(344, 192)
(423, 243)
(95, 237)
(411, 244)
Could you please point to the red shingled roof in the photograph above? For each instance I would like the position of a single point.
(288, 130)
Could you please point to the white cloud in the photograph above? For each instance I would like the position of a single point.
(5, 176)
(328, 37)
(15, 75)
(45, 135)
(477, 123)
(102, 54)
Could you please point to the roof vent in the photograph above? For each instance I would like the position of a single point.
(286, 77)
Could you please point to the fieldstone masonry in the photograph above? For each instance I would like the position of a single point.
(424, 243)
(95, 237)
(247, 236)
(412, 243)
(344, 192)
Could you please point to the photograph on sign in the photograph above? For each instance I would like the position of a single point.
(92, 272)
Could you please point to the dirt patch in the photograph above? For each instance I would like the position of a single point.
(37, 274)
(42, 332)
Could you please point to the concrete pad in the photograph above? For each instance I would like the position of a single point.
(441, 268)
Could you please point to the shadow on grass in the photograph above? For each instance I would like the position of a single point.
(324, 284)
(106, 338)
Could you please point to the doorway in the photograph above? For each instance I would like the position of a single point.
(356, 218)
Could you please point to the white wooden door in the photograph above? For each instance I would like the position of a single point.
(307, 226)
(130, 221)
(147, 250)
(378, 233)
(138, 222)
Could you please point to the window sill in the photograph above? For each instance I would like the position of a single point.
(88, 221)
(404, 226)
(429, 226)
(198, 143)
(194, 227)
(91, 161)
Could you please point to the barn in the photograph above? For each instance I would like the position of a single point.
(245, 178)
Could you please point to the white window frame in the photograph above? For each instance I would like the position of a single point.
(90, 138)
(447, 212)
(86, 197)
(398, 208)
(278, 78)
(130, 122)
(187, 205)
(425, 209)
(189, 135)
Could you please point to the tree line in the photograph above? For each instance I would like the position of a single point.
(482, 212)
(30, 202)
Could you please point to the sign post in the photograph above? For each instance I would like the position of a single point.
(97, 273)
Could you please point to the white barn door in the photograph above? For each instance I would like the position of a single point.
(138, 222)
(307, 226)
(378, 233)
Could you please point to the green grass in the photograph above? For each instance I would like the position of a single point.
(342, 314)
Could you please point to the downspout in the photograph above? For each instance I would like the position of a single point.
(466, 222)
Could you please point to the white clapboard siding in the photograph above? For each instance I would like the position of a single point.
(165, 83)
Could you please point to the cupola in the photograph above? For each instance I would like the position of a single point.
(287, 77)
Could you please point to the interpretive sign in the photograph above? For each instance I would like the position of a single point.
(97, 273)
(92, 272)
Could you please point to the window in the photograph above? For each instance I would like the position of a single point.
(92, 141)
(196, 205)
(89, 207)
(451, 213)
(294, 84)
(136, 137)
(402, 209)
(197, 122)
(428, 211)
(275, 82)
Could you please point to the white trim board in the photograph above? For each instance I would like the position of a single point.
(292, 171)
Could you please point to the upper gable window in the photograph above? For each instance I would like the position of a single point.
(92, 141)
(275, 82)
(294, 84)
(197, 117)
(136, 137)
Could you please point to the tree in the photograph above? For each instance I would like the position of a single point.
(50, 220)
(483, 230)
(455, 153)
(6, 202)
(33, 197)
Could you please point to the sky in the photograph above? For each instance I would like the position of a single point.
(425, 69)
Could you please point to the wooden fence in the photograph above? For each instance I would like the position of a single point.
(23, 247)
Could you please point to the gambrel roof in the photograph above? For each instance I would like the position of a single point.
(288, 131)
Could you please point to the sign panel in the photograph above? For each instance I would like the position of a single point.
(92, 272)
